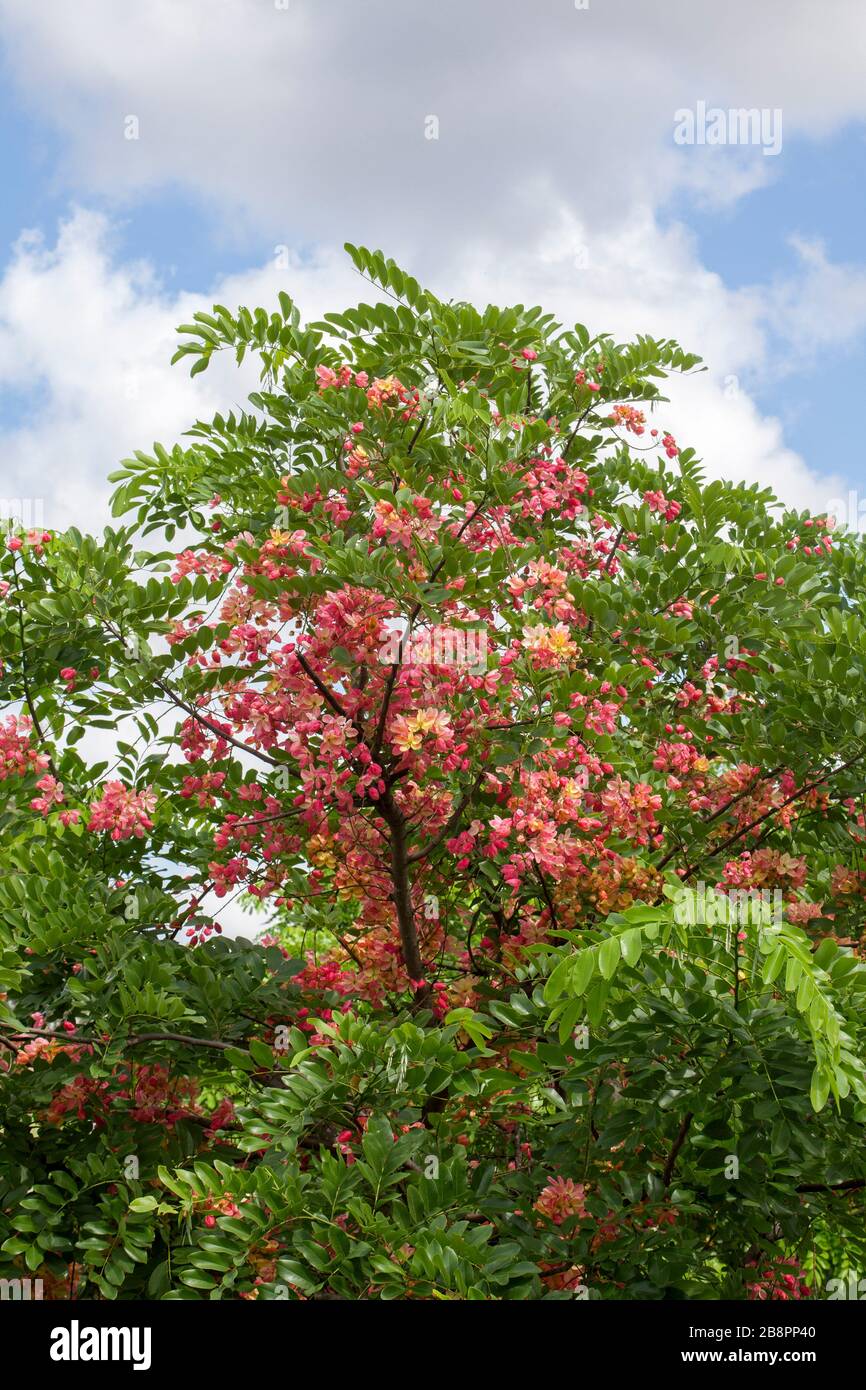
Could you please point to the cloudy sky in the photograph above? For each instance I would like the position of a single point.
(160, 154)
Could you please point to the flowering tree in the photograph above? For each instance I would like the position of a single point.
(545, 759)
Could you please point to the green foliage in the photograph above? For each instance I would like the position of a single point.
(222, 1122)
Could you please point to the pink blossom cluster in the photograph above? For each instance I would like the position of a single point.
(657, 502)
(17, 754)
(122, 811)
(561, 1198)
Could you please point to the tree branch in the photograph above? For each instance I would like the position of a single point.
(214, 728)
(402, 895)
(675, 1148)
(850, 1185)
(708, 820)
(395, 667)
(73, 1039)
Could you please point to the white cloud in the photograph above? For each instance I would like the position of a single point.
(94, 339)
(308, 122)
(644, 280)
(305, 124)
(822, 306)
(90, 341)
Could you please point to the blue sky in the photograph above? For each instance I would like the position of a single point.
(304, 128)
(166, 225)
(816, 190)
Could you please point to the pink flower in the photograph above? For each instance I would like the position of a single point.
(52, 794)
(122, 811)
(325, 377)
(17, 755)
(561, 1198)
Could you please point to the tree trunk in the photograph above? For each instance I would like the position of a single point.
(402, 896)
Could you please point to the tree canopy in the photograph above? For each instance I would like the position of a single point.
(539, 759)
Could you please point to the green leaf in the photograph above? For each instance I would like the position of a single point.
(631, 944)
(236, 1058)
(142, 1204)
(609, 957)
(819, 1090)
(261, 1053)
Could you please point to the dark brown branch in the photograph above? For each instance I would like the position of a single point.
(577, 424)
(214, 728)
(402, 895)
(675, 1148)
(76, 1040)
(708, 820)
(766, 777)
(850, 1185)
(379, 735)
(415, 437)
(330, 697)
(605, 569)
(135, 1038)
(323, 690)
(546, 891)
